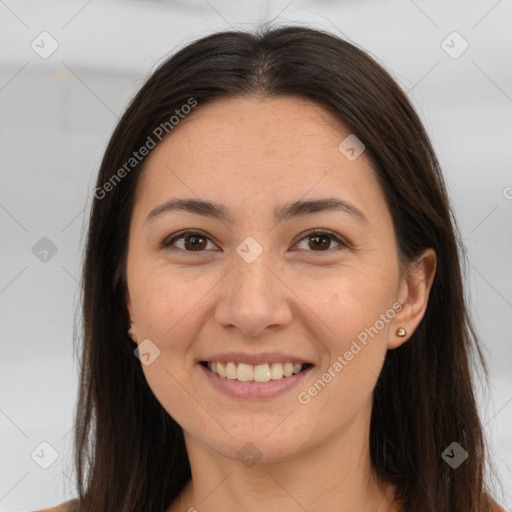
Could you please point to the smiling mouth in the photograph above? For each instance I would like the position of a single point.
(254, 373)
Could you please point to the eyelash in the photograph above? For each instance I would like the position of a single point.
(167, 244)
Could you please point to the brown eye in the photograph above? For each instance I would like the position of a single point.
(320, 241)
(193, 241)
(196, 241)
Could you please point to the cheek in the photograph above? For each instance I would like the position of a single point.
(162, 302)
(164, 308)
(355, 318)
(348, 303)
(355, 309)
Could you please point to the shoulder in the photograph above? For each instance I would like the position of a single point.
(68, 506)
(398, 504)
(496, 507)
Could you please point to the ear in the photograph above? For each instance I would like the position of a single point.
(413, 295)
(129, 305)
(132, 331)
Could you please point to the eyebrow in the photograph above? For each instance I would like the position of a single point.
(282, 212)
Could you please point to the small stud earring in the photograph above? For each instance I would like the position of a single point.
(401, 332)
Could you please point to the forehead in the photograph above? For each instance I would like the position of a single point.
(282, 127)
(255, 149)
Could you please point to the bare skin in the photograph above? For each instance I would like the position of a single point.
(300, 296)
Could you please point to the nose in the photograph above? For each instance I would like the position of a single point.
(255, 298)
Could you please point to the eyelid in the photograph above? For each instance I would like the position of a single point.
(343, 243)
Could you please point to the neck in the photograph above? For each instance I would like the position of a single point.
(336, 475)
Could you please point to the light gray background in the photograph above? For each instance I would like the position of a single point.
(57, 113)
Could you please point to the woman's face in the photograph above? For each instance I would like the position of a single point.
(253, 287)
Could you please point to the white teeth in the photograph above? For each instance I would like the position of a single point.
(245, 372)
(261, 372)
(258, 373)
(276, 371)
(231, 370)
(288, 369)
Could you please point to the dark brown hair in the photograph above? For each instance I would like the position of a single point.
(129, 453)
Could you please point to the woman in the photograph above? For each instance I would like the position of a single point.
(274, 316)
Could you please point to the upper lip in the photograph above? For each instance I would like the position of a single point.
(255, 359)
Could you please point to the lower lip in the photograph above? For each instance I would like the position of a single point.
(254, 390)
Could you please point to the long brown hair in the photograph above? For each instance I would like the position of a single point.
(129, 453)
